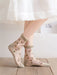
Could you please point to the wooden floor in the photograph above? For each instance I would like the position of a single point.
(8, 67)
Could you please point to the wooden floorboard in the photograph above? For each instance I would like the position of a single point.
(8, 67)
(27, 71)
(53, 65)
(7, 62)
(44, 70)
(8, 71)
(35, 70)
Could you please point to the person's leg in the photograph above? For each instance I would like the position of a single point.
(15, 49)
(33, 27)
(31, 38)
(28, 51)
(16, 46)
(30, 27)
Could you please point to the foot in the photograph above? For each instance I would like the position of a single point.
(29, 59)
(15, 49)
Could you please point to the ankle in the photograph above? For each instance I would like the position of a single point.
(28, 43)
(24, 37)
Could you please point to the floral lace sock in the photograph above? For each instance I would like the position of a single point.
(29, 59)
(15, 49)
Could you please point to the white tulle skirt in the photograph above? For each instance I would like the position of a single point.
(16, 10)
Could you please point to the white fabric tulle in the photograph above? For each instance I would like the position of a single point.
(15, 10)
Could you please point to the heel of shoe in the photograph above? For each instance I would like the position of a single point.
(10, 47)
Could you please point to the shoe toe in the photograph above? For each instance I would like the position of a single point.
(21, 65)
(45, 64)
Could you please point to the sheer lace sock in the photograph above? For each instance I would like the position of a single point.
(15, 49)
(29, 59)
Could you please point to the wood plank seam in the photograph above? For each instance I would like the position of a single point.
(50, 68)
(16, 71)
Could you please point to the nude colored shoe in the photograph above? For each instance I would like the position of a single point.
(15, 49)
(30, 60)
